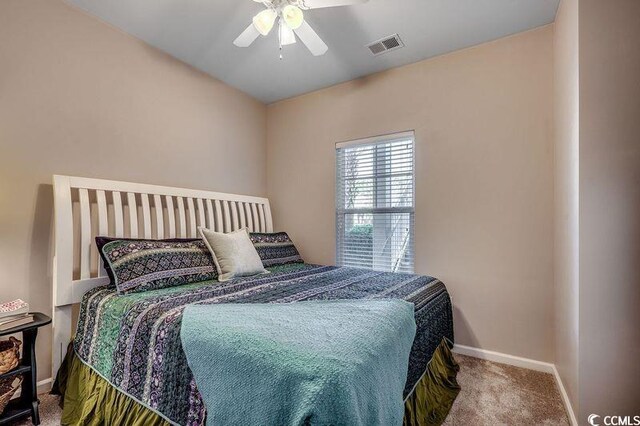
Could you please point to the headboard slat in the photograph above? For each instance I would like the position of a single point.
(118, 214)
(243, 221)
(256, 219)
(219, 227)
(171, 215)
(227, 217)
(263, 224)
(157, 204)
(85, 234)
(182, 228)
(211, 224)
(235, 224)
(192, 218)
(133, 215)
(146, 216)
(247, 210)
(103, 218)
(200, 205)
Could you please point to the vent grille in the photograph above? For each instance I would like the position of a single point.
(385, 45)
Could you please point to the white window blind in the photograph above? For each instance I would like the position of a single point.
(375, 203)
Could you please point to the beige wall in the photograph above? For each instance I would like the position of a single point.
(484, 171)
(609, 207)
(78, 97)
(566, 132)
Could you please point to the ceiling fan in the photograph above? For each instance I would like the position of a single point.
(289, 16)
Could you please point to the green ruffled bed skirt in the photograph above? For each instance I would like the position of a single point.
(433, 395)
(89, 399)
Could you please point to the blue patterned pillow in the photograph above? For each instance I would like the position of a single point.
(142, 265)
(275, 249)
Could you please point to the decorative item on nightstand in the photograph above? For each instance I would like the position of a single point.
(9, 359)
(13, 314)
(24, 374)
(9, 354)
(8, 388)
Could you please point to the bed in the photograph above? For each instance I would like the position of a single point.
(126, 354)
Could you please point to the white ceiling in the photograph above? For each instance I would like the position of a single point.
(201, 33)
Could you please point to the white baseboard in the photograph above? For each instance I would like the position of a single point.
(565, 398)
(501, 358)
(46, 382)
(42, 383)
(516, 361)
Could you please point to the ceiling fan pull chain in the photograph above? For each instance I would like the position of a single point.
(280, 38)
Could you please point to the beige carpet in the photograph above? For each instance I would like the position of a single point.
(499, 394)
(492, 394)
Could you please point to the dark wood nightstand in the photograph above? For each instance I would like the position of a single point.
(27, 403)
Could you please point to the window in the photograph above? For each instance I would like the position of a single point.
(375, 201)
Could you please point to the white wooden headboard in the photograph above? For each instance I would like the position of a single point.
(85, 208)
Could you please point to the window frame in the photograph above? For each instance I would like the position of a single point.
(375, 140)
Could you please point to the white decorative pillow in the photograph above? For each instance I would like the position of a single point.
(233, 253)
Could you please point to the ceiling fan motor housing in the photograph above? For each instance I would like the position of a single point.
(280, 4)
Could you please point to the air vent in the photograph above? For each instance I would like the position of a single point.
(385, 45)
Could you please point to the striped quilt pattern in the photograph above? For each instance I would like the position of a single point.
(133, 340)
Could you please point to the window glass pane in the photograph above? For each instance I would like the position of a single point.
(374, 205)
(380, 241)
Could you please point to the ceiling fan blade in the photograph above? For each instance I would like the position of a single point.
(317, 4)
(247, 37)
(311, 39)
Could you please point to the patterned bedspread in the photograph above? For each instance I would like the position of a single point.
(133, 340)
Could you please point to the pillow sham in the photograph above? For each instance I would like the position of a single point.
(136, 265)
(233, 253)
(275, 248)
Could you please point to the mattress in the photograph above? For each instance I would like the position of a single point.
(133, 341)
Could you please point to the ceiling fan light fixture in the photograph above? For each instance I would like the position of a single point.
(264, 21)
(293, 16)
